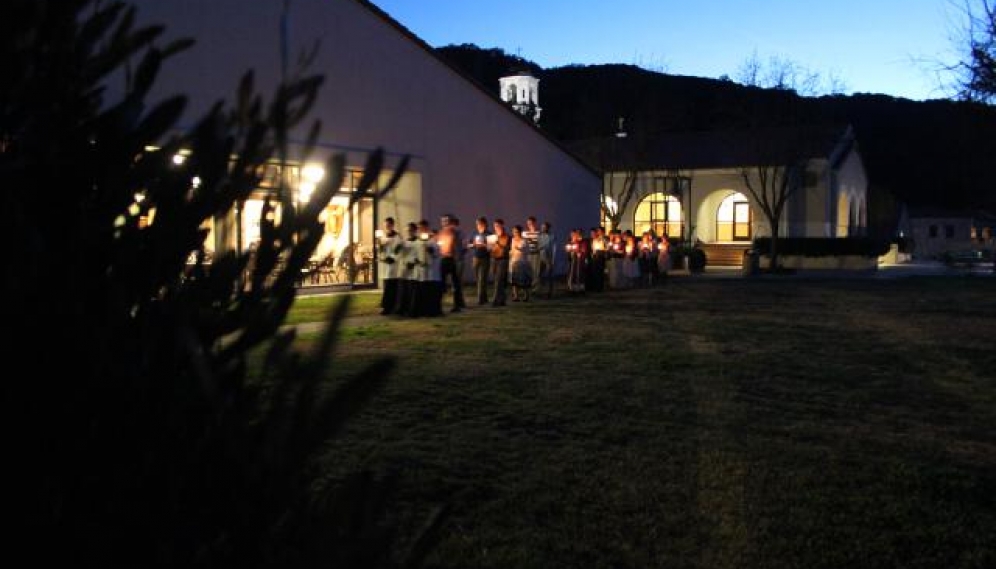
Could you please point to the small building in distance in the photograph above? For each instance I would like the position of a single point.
(936, 231)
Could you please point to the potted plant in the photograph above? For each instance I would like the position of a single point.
(696, 260)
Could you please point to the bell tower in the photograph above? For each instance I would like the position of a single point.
(520, 89)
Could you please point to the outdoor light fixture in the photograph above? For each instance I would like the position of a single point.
(179, 159)
(305, 191)
(313, 173)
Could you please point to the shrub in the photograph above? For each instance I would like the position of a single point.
(696, 260)
(823, 247)
(139, 438)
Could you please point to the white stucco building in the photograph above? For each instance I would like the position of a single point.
(471, 154)
(691, 187)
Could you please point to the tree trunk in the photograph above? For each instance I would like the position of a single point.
(773, 267)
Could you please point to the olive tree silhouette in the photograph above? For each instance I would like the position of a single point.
(140, 433)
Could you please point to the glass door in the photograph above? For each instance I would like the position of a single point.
(741, 221)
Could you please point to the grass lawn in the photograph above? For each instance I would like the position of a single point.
(316, 308)
(706, 423)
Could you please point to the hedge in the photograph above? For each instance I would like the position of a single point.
(824, 246)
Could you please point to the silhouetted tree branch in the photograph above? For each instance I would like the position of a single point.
(977, 71)
(161, 416)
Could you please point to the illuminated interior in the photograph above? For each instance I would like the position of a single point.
(733, 219)
(843, 215)
(661, 213)
(343, 225)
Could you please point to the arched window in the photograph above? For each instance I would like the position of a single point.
(733, 219)
(661, 213)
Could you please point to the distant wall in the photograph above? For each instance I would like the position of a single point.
(933, 236)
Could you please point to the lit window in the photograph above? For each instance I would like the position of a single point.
(659, 213)
(733, 219)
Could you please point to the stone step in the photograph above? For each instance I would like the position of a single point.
(723, 255)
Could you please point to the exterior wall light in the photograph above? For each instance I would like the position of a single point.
(313, 173)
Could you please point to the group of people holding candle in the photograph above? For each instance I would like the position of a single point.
(419, 267)
(615, 260)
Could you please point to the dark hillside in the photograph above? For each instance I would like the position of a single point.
(938, 153)
(486, 65)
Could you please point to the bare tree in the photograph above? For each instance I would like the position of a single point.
(617, 197)
(976, 71)
(785, 74)
(778, 172)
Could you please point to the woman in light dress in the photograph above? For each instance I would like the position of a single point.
(520, 271)
(663, 258)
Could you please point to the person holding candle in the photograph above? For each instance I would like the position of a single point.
(631, 263)
(450, 248)
(648, 258)
(531, 235)
(663, 258)
(461, 251)
(420, 273)
(577, 256)
(520, 266)
(428, 273)
(499, 261)
(481, 258)
(436, 286)
(408, 284)
(597, 264)
(547, 258)
(616, 255)
(389, 246)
